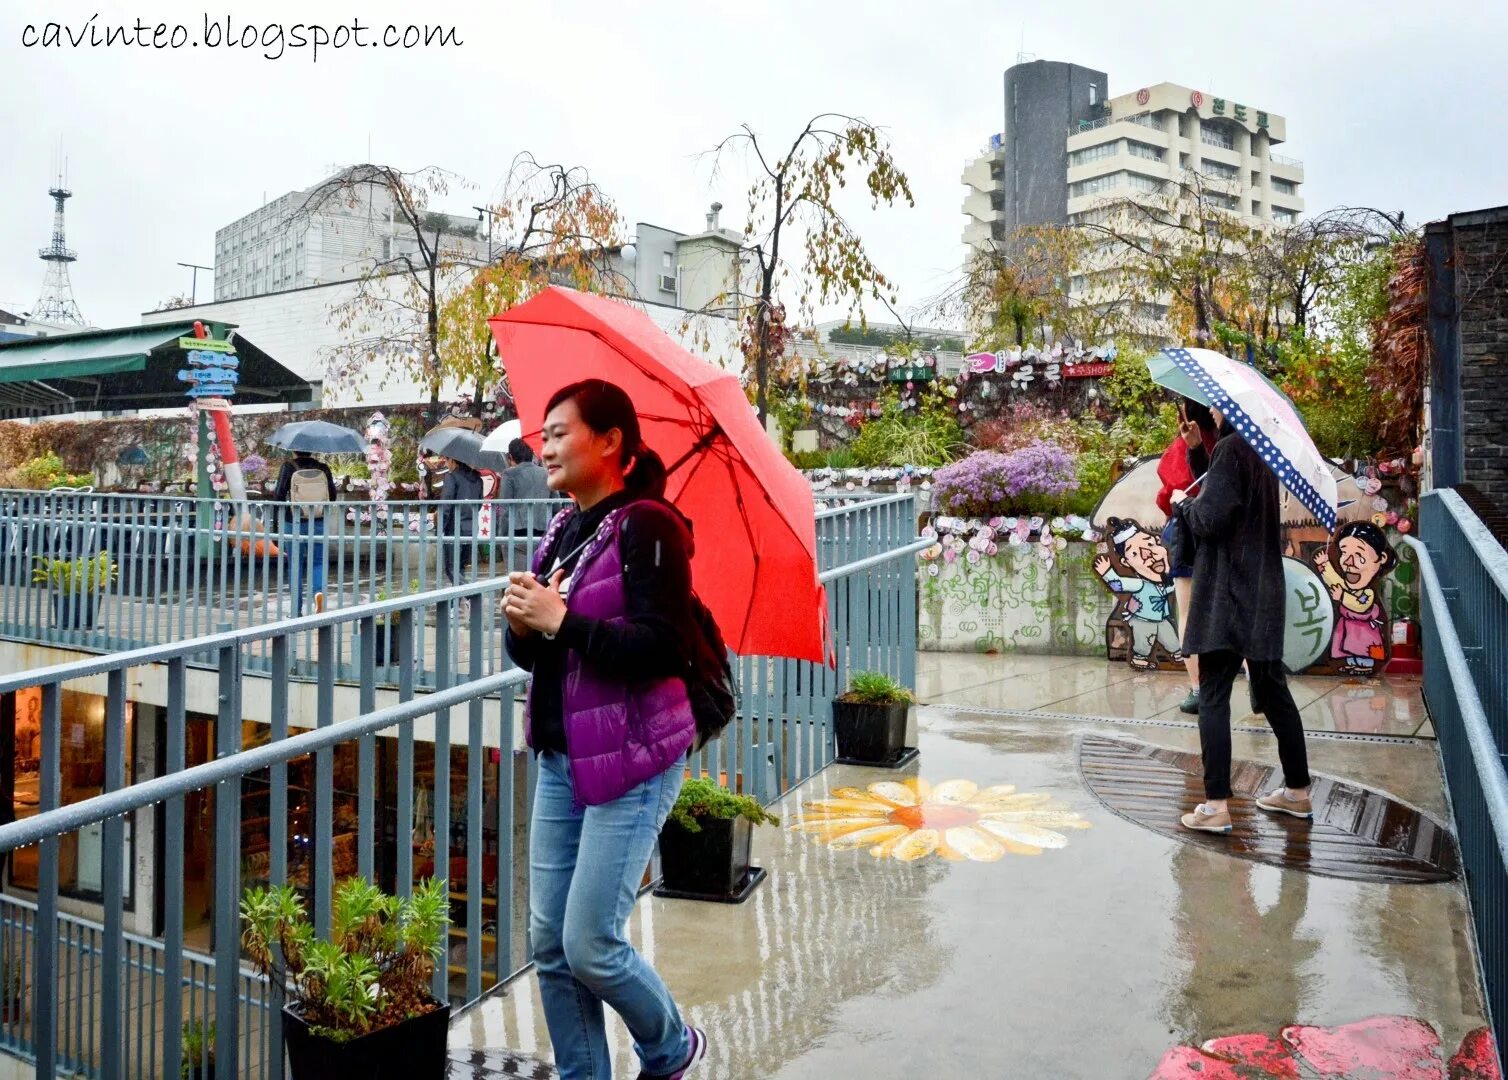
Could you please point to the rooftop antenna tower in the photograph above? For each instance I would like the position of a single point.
(56, 304)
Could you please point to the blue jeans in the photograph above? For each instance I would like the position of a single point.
(585, 867)
(303, 555)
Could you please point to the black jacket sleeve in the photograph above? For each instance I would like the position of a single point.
(521, 650)
(648, 642)
(285, 481)
(1218, 509)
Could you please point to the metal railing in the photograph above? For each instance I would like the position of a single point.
(311, 807)
(189, 567)
(1281, 159)
(186, 568)
(1464, 623)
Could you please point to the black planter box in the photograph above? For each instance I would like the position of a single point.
(709, 865)
(74, 611)
(385, 645)
(870, 734)
(412, 1050)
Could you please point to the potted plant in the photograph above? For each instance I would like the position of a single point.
(12, 991)
(705, 844)
(387, 648)
(197, 1058)
(74, 584)
(869, 721)
(359, 1004)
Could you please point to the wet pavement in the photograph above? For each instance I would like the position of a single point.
(1089, 946)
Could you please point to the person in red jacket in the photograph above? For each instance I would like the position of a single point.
(1183, 463)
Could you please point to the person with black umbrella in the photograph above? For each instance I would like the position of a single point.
(457, 518)
(305, 484)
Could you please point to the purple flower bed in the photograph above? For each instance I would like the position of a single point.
(1037, 477)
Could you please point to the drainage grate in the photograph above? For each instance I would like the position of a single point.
(1187, 725)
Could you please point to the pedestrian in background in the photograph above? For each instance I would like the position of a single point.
(457, 518)
(1196, 433)
(1237, 612)
(305, 487)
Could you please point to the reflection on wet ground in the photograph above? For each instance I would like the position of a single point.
(1094, 960)
(1356, 833)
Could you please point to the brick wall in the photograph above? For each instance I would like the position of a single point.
(1481, 280)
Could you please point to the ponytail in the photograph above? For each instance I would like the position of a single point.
(646, 474)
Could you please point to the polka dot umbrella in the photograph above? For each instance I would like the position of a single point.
(1261, 414)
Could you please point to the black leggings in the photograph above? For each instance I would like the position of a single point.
(1269, 687)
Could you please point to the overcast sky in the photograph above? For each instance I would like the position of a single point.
(1395, 105)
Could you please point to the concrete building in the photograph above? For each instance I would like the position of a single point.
(1068, 148)
(280, 246)
(683, 270)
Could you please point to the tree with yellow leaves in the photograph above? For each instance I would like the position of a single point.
(794, 204)
(551, 226)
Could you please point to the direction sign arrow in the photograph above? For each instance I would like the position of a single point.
(214, 359)
(210, 390)
(206, 345)
(209, 375)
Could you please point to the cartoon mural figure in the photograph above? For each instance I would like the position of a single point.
(1359, 643)
(1147, 591)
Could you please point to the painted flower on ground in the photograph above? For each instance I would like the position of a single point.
(956, 819)
(1384, 1047)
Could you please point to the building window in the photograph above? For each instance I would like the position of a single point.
(1144, 183)
(1285, 216)
(665, 261)
(1211, 135)
(1144, 150)
(1218, 169)
(1094, 153)
(1224, 202)
(1146, 120)
(1078, 283)
(1095, 185)
(1094, 94)
(1284, 187)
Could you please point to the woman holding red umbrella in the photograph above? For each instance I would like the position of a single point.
(605, 624)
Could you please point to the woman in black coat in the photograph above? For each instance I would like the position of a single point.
(1238, 613)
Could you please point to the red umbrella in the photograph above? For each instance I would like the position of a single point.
(756, 553)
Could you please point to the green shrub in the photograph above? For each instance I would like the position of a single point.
(842, 458)
(704, 797)
(928, 436)
(198, 1048)
(81, 575)
(875, 688)
(806, 459)
(43, 473)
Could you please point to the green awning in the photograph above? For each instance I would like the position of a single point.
(128, 368)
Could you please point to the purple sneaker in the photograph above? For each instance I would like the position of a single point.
(698, 1040)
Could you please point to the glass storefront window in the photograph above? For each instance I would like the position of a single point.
(82, 769)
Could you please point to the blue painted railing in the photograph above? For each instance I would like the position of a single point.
(128, 1019)
(1465, 629)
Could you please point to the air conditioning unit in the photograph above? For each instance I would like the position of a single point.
(667, 283)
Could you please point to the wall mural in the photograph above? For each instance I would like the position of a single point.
(1344, 591)
(955, 820)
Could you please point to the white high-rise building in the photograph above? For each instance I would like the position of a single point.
(1068, 148)
(282, 246)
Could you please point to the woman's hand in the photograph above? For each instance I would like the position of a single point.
(533, 606)
(1179, 497)
(1190, 432)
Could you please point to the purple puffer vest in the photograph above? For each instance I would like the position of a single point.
(618, 734)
